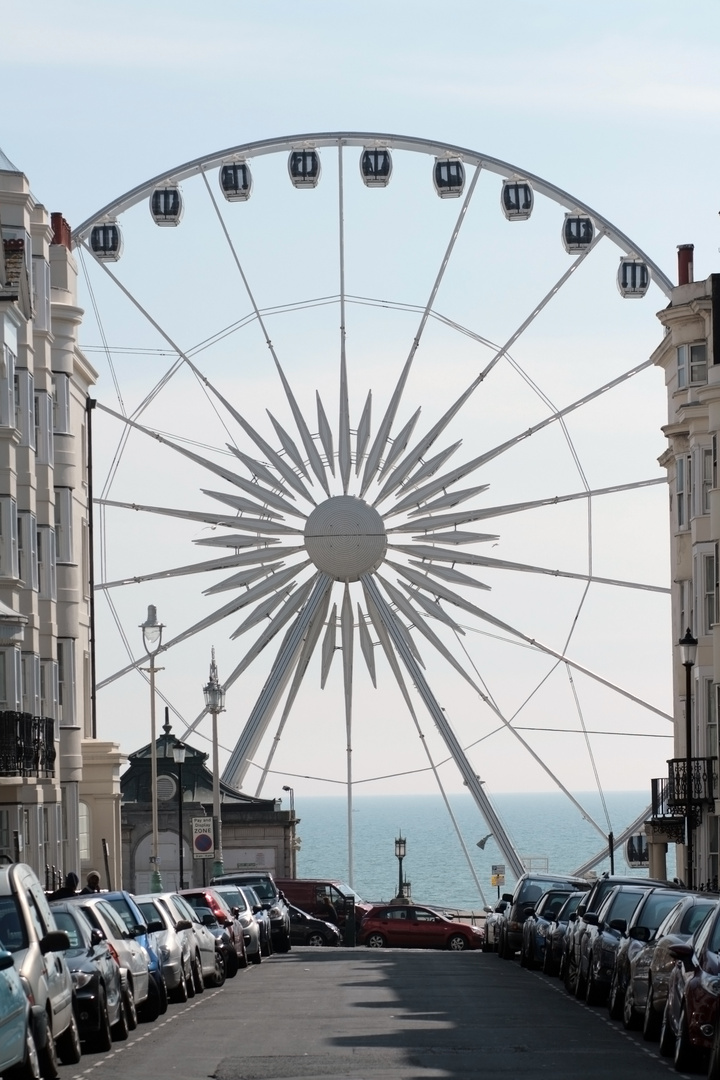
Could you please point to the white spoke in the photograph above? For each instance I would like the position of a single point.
(344, 455)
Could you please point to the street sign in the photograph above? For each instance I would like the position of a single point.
(203, 841)
(498, 874)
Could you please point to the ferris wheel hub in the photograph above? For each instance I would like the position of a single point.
(345, 537)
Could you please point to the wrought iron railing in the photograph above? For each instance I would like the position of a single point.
(702, 782)
(27, 745)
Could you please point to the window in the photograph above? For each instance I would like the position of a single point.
(712, 882)
(49, 689)
(27, 550)
(24, 384)
(7, 373)
(10, 679)
(708, 582)
(44, 428)
(8, 537)
(685, 607)
(692, 364)
(61, 403)
(63, 524)
(84, 830)
(30, 684)
(683, 490)
(707, 483)
(46, 562)
(41, 289)
(66, 681)
(711, 743)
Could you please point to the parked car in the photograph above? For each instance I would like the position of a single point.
(17, 1043)
(576, 932)
(652, 964)
(205, 968)
(413, 927)
(528, 890)
(123, 903)
(271, 899)
(223, 912)
(28, 931)
(261, 917)
(307, 930)
(97, 983)
(224, 946)
(315, 896)
(693, 998)
(556, 933)
(133, 957)
(641, 930)
(537, 925)
(602, 939)
(492, 926)
(168, 945)
(242, 911)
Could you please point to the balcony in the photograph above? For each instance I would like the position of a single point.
(27, 745)
(703, 780)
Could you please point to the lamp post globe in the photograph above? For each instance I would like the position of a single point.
(215, 703)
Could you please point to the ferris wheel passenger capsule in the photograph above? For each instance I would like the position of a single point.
(376, 166)
(577, 234)
(449, 177)
(516, 200)
(304, 168)
(633, 279)
(236, 181)
(166, 205)
(106, 242)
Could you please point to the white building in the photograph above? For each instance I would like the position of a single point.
(690, 357)
(59, 786)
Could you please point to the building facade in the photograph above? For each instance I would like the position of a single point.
(47, 728)
(689, 354)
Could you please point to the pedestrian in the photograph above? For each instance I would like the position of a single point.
(329, 914)
(68, 889)
(93, 882)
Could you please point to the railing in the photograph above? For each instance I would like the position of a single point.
(27, 745)
(702, 782)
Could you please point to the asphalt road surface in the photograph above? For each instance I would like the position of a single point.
(362, 1014)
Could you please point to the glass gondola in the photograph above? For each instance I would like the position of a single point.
(633, 279)
(106, 242)
(516, 200)
(376, 167)
(236, 181)
(577, 234)
(304, 168)
(166, 205)
(449, 177)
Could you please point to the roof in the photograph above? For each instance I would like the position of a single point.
(6, 164)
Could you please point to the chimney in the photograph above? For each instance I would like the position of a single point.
(685, 263)
(62, 233)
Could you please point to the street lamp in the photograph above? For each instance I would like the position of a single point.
(179, 754)
(152, 640)
(688, 652)
(215, 703)
(291, 792)
(400, 848)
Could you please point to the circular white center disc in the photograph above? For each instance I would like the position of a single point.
(345, 537)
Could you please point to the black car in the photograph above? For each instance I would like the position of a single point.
(307, 930)
(602, 940)
(530, 887)
(271, 899)
(554, 954)
(97, 985)
(537, 927)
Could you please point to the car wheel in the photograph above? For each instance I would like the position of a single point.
(150, 1008)
(284, 943)
(130, 1008)
(316, 939)
(197, 975)
(102, 1038)
(30, 1068)
(667, 1038)
(120, 1029)
(68, 1044)
(180, 993)
(162, 994)
(47, 1056)
(580, 983)
(189, 980)
(523, 956)
(630, 1018)
(231, 963)
(615, 1001)
(257, 955)
(651, 1020)
(375, 941)
(592, 996)
(685, 1053)
(457, 943)
(218, 979)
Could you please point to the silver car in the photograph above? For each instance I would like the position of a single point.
(171, 945)
(200, 941)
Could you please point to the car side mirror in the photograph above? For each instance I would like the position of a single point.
(507, 897)
(582, 908)
(591, 918)
(96, 936)
(618, 924)
(528, 910)
(257, 908)
(183, 924)
(55, 941)
(640, 933)
(6, 960)
(235, 911)
(573, 917)
(155, 926)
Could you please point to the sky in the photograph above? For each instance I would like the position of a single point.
(614, 103)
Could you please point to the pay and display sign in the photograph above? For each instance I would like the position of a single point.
(203, 840)
(498, 874)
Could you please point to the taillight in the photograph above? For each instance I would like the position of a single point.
(113, 952)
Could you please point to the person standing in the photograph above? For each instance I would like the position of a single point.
(93, 882)
(68, 889)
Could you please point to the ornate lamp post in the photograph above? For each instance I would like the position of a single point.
(215, 703)
(179, 755)
(152, 640)
(400, 848)
(688, 652)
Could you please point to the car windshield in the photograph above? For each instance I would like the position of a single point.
(656, 908)
(695, 916)
(12, 927)
(264, 889)
(150, 912)
(250, 895)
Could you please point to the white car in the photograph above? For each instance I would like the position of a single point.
(172, 946)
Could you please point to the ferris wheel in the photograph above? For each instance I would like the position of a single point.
(393, 386)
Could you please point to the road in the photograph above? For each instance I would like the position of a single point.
(380, 1014)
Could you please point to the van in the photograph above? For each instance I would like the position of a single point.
(321, 897)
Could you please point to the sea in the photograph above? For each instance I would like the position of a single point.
(547, 830)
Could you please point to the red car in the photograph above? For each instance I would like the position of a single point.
(222, 911)
(692, 1009)
(412, 927)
